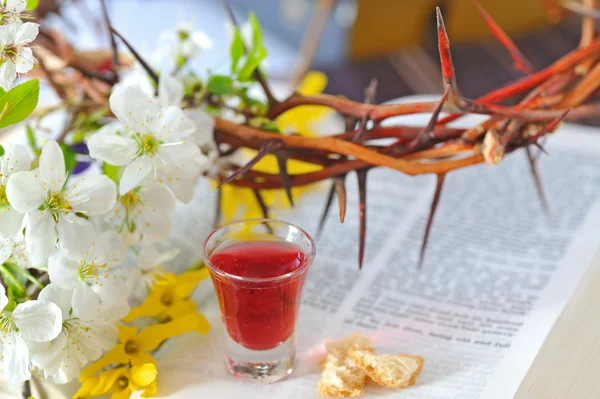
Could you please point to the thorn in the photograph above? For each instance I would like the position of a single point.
(218, 207)
(267, 148)
(325, 213)
(285, 176)
(446, 59)
(548, 128)
(434, 204)
(340, 190)
(138, 57)
(370, 93)
(521, 63)
(264, 208)
(362, 214)
(428, 131)
(538, 182)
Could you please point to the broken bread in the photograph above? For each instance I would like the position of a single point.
(341, 377)
(392, 371)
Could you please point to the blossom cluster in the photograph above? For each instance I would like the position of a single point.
(15, 36)
(86, 240)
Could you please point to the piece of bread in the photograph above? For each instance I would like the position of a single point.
(392, 371)
(341, 377)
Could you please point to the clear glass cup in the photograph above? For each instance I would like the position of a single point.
(259, 298)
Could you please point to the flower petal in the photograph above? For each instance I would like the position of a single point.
(63, 272)
(75, 235)
(39, 321)
(10, 222)
(16, 359)
(85, 301)
(59, 296)
(134, 108)
(170, 90)
(16, 6)
(24, 192)
(173, 125)
(152, 218)
(3, 297)
(205, 125)
(108, 248)
(134, 174)
(26, 33)
(92, 195)
(16, 159)
(143, 375)
(40, 236)
(52, 166)
(8, 74)
(115, 355)
(24, 61)
(151, 337)
(111, 148)
(48, 356)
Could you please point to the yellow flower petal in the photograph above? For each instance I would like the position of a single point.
(313, 83)
(85, 391)
(150, 390)
(126, 333)
(106, 382)
(124, 394)
(114, 356)
(180, 309)
(142, 376)
(140, 358)
(153, 336)
(187, 282)
(152, 306)
(166, 278)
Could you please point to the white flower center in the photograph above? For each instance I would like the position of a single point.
(3, 198)
(7, 324)
(147, 144)
(92, 272)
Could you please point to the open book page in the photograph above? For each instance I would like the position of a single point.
(497, 274)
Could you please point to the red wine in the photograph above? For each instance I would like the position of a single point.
(259, 315)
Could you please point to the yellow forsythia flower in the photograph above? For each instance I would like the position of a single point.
(121, 382)
(301, 120)
(169, 298)
(133, 346)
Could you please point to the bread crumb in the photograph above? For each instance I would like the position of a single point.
(392, 371)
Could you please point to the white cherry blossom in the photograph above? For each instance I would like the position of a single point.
(15, 159)
(153, 138)
(15, 56)
(11, 10)
(13, 249)
(53, 210)
(149, 267)
(184, 41)
(88, 329)
(143, 213)
(31, 321)
(92, 267)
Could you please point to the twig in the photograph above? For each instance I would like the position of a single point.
(113, 42)
(434, 204)
(138, 57)
(26, 390)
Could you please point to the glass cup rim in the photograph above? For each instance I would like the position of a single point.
(310, 254)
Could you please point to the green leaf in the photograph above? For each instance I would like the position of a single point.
(257, 37)
(219, 84)
(69, 156)
(236, 50)
(32, 4)
(25, 273)
(32, 140)
(19, 103)
(2, 152)
(13, 284)
(253, 61)
(111, 171)
(2, 92)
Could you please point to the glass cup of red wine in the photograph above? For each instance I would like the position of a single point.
(258, 269)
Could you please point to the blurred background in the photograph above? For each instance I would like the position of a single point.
(353, 41)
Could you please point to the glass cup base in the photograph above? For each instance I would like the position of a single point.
(260, 366)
